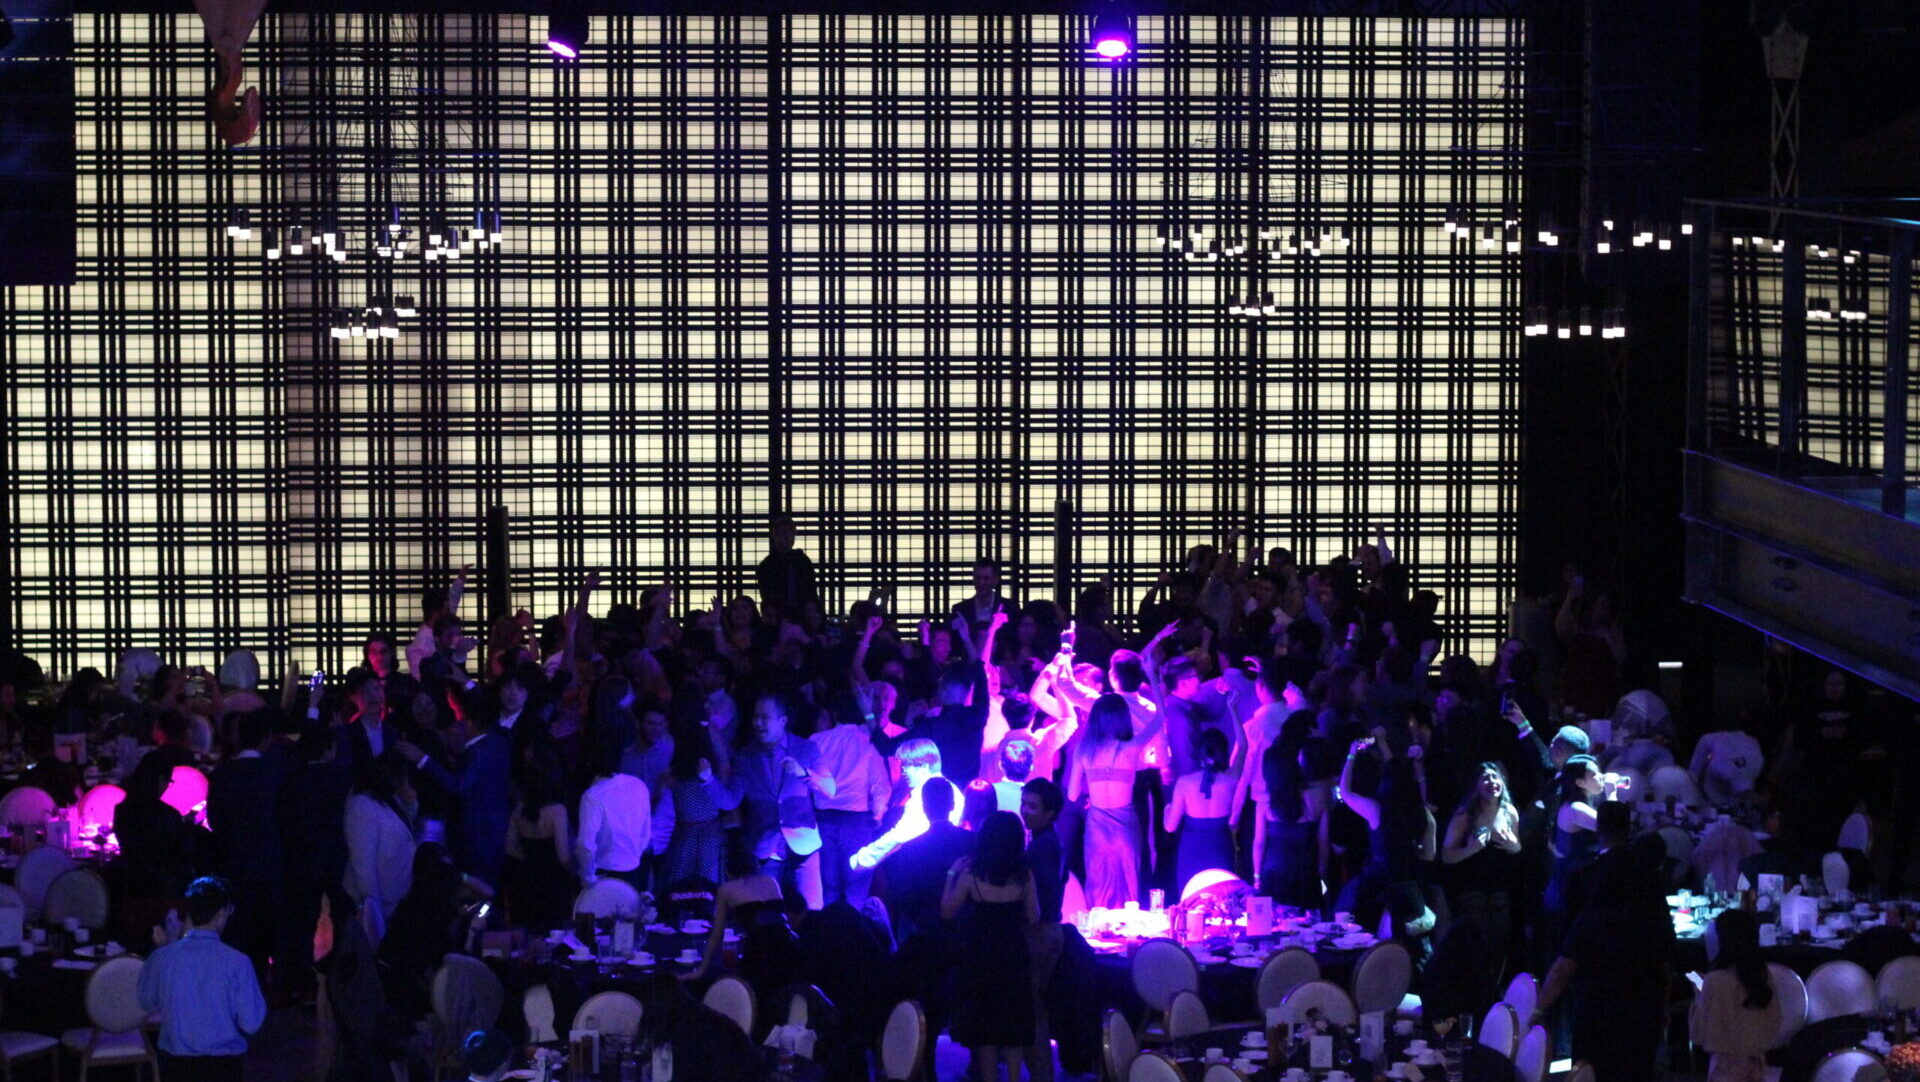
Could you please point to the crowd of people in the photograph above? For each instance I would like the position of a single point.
(1297, 726)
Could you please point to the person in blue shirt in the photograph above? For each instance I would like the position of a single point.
(206, 992)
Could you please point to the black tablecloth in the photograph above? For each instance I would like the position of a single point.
(1477, 1063)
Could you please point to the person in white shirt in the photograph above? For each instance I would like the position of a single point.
(425, 643)
(380, 845)
(616, 823)
(919, 761)
(862, 789)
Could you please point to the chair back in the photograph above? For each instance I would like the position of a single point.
(465, 994)
(1838, 988)
(10, 898)
(1162, 969)
(1850, 1065)
(35, 876)
(1672, 782)
(1679, 844)
(1530, 1062)
(1220, 1072)
(80, 894)
(1899, 981)
(1154, 1067)
(903, 1044)
(1581, 1073)
(1500, 1030)
(1791, 991)
(536, 1006)
(609, 1012)
(1834, 873)
(1523, 992)
(1326, 998)
(1282, 972)
(732, 997)
(96, 807)
(608, 898)
(1381, 978)
(1118, 1045)
(113, 995)
(1187, 1016)
(25, 806)
(186, 791)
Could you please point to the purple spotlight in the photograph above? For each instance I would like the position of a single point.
(1112, 37)
(563, 50)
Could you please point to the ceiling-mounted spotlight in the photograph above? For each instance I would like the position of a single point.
(1112, 38)
(567, 32)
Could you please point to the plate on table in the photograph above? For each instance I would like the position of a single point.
(696, 927)
(730, 936)
(640, 958)
(1354, 942)
(1248, 962)
(581, 956)
(661, 929)
(99, 950)
(1254, 1053)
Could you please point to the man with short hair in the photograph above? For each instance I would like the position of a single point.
(616, 821)
(486, 1054)
(1040, 803)
(242, 799)
(205, 991)
(479, 781)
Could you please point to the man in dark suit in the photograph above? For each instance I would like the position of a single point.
(241, 811)
(917, 871)
(483, 760)
(310, 816)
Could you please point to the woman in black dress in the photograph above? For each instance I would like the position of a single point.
(1290, 866)
(992, 894)
(1482, 838)
(539, 870)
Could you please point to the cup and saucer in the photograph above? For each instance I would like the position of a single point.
(1254, 1039)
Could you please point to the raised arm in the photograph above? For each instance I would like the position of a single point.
(857, 673)
(1364, 806)
(994, 625)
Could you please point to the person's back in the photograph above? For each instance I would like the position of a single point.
(1721, 1023)
(205, 992)
(916, 873)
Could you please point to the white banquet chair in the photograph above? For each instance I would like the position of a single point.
(536, 1006)
(1118, 1045)
(1187, 1016)
(1500, 1030)
(608, 898)
(1834, 874)
(1672, 782)
(187, 792)
(18, 1047)
(1530, 1062)
(1381, 978)
(1899, 981)
(465, 996)
(1838, 988)
(732, 997)
(1282, 972)
(1791, 991)
(1326, 997)
(1162, 969)
(96, 807)
(1850, 1065)
(609, 1012)
(116, 1037)
(1220, 1072)
(1679, 846)
(35, 876)
(1523, 992)
(80, 894)
(1154, 1067)
(903, 1043)
(25, 806)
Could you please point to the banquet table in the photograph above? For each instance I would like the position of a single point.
(1461, 1062)
(1820, 1039)
(1801, 953)
(1226, 984)
(572, 974)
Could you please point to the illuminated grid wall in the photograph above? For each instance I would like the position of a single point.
(975, 320)
(950, 222)
(1843, 407)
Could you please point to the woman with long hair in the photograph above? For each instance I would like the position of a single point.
(1199, 808)
(1736, 1016)
(700, 799)
(1579, 790)
(1482, 838)
(1103, 768)
(992, 895)
(539, 874)
(1290, 861)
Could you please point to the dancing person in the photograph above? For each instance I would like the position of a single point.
(991, 894)
(1103, 769)
(777, 779)
(1198, 811)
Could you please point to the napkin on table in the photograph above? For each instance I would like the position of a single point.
(796, 1040)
